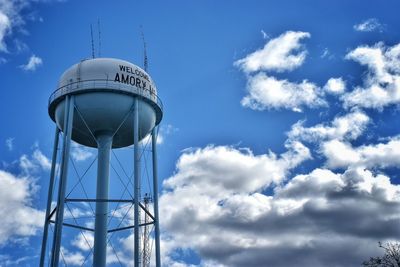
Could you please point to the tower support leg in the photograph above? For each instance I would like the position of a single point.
(49, 197)
(68, 120)
(136, 153)
(155, 197)
(104, 142)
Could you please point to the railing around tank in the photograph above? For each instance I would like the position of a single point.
(104, 84)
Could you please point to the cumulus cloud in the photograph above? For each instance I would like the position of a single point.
(333, 140)
(33, 63)
(339, 154)
(382, 83)
(382, 155)
(19, 218)
(267, 92)
(369, 25)
(226, 169)
(346, 127)
(282, 53)
(231, 224)
(242, 209)
(335, 86)
(307, 221)
(220, 173)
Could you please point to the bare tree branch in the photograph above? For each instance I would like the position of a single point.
(391, 258)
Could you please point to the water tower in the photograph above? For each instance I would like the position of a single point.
(102, 103)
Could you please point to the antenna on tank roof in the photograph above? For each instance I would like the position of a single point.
(99, 29)
(145, 63)
(91, 35)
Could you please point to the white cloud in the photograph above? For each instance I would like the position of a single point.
(308, 221)
(226, 169)
(26, 164)
(382, 83)
(33, 63)
(72, 258)
(41, 159)
(34, 163)
(10, 143)
(282, 53)
(343, 154)
(19, 218)
(335, 86)
(84, 241)
(378, 59)
(74, 212)
(266, 92)
(369, 25)
(334, 139)
(348, 127)
(5, 25)
(80, 153)
(339, 154)
(7, 260)
(220, 173)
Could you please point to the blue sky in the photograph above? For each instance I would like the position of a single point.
(279, 143)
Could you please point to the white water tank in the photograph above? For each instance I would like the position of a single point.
(104, 91)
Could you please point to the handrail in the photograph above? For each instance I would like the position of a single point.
(96, 84)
